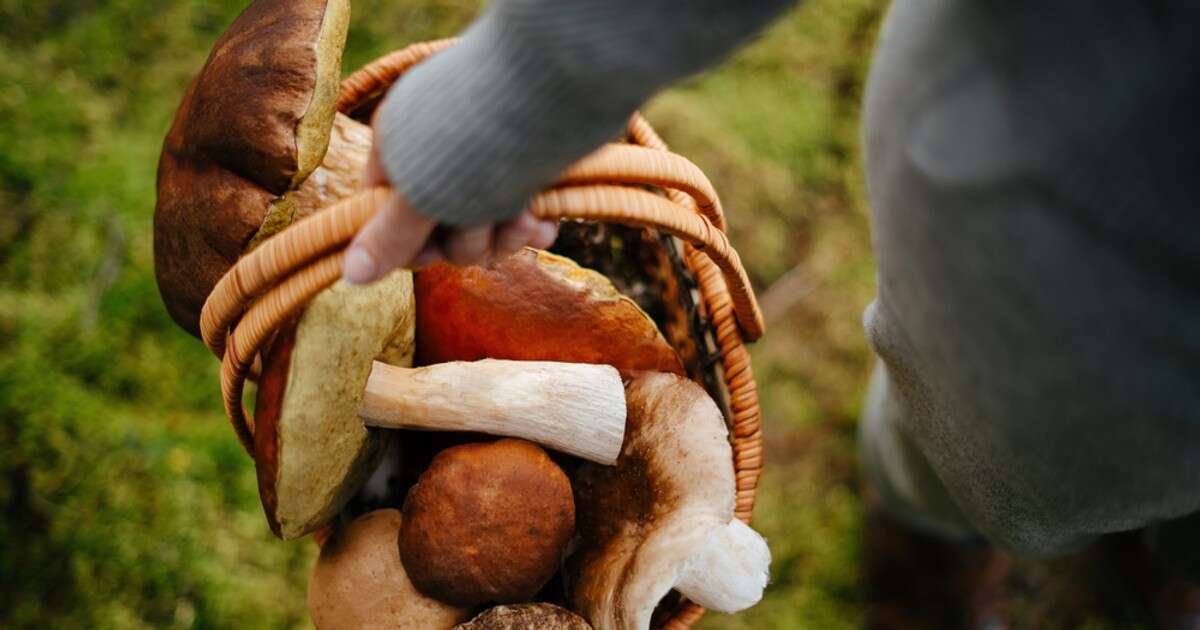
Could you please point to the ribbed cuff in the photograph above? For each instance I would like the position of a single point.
(470, 135)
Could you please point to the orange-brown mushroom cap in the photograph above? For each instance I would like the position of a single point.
(487, 523)
(534, 306)
(252, 126)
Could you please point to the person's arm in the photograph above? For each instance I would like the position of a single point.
(468, 136)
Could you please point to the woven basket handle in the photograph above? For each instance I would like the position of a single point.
(613, 163)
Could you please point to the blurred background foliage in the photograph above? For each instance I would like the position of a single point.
(127, 501)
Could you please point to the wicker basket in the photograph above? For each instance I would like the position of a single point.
(638, 184)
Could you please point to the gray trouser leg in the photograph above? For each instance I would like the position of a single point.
(910, 490)
(1034, 224)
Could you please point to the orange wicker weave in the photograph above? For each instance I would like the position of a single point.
(613, 184)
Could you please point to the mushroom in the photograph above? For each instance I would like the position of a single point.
(662, 518)
(526, 617)
(320, 383)
(487, 523)
(311, 450)
(359, 582)
(256, 143)
(534, 305)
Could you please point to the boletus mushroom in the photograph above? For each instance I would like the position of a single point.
(359, 582)
(256, 143)
(487, 523)
(535, 306)
(662, 518)
(525, 617)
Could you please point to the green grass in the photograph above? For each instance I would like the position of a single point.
(128, 503)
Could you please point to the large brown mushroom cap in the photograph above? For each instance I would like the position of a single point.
(662, 518)
(359, 583)
(487, 523)
(534, 306)
(526, 617)
(252, 126)
(312, 451)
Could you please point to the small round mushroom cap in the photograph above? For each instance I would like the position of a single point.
(311, 450)
(526, 617)
(534, 306)
(662, 518)
(358, 582)
(252, 127)
(487, 523)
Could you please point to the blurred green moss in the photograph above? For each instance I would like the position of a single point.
(128, 502)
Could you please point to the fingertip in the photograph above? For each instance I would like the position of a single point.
(389, 240)
(359, 266)
(374, 175)
(544, 234)
(469, 246)
(429, 255)
(510, 237)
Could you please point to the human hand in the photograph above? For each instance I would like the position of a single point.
(398, 236)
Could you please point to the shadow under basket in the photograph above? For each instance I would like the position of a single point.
(646, 218)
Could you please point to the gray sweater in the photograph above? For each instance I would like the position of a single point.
(534, 85)
(1034, 172)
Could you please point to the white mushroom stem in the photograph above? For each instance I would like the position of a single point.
(570, 407)
(729, 572)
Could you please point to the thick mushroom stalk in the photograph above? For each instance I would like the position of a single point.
(662, 518)
(575, 408)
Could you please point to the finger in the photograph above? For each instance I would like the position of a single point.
(391, 239)
(512, 235)
(544, 235)
(374, 175)
(469, 245)
(429, 255)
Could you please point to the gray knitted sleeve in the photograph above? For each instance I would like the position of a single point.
(471, 134)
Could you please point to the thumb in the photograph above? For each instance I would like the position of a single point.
(391, 239)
